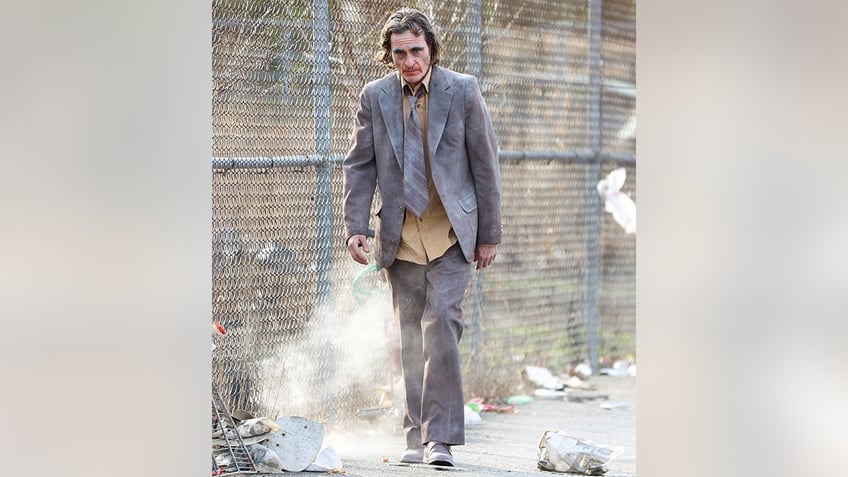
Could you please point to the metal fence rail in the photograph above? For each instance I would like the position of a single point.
(309, 331)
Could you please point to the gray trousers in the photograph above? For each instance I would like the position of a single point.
(427, 302)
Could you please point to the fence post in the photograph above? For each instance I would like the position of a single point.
(475, 39)
(475, 67)
(321, 113)
(323, 204)
(593, 175)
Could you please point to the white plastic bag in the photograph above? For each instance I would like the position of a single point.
(471, 417)
(543, 377)
(264, 459)
(328, 460)
(617, 203)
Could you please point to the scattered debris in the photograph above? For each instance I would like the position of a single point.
(385, 406)
(543, 377)
(575, 382)
(584, 398)
(582, 371)
(240, 415)
(471, 417)
(220, 440)
(374, 413)
(477, 405)
(257, 426)
(217, 331)
(619, 368)
(549, 393)
(559, 452)
(610, 405)
(264, 458)
(519, 400)
(328, 460)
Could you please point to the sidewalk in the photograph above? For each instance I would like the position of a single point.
(506, 444)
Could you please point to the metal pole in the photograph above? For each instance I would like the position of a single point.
(593, 175)
(475, 67)
(323, 204)
(475, 39)
(321, 113)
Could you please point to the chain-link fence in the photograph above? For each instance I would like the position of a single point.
(312, 333)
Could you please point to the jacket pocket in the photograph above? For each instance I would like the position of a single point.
(469, 202)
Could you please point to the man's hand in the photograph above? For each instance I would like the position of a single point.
(356, 245)
(484, 255)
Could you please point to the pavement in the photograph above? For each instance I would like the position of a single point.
(504, 443)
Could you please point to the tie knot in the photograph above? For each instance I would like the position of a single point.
(413, 98)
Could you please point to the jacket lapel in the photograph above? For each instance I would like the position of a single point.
(441, 97)
(392, 109)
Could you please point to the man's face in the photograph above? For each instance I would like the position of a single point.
(411, 56)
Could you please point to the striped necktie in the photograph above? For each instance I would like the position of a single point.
(415, 190)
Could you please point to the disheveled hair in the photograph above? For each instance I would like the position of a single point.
(408, 20)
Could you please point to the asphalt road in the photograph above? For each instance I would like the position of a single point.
(504, 444)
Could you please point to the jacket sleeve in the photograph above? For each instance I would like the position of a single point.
(482, 150)
(360, 171)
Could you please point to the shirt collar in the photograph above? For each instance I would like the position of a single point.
(425, 82)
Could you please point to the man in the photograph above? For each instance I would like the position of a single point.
(424, 138)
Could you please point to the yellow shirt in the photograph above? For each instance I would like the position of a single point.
(425, 238)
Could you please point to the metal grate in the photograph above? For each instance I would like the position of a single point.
(229, 455)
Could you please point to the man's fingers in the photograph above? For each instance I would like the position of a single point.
(356, 245)
(484, 256)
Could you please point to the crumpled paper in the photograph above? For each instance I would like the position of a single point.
(560, 452)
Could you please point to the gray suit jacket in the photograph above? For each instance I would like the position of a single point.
(463, 156)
